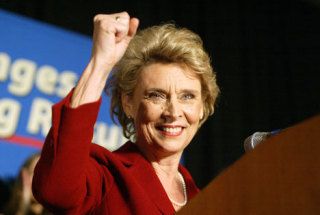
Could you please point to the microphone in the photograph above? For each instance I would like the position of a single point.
(256, 138)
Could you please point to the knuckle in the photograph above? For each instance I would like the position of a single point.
(97, 18)
(101, 21)
(125, 14)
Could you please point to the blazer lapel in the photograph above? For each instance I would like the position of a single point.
(142, 170)
(144, 173)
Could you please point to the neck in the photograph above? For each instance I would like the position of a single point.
(164, 163)
(166, 170)
(166, 167)
(173, 183)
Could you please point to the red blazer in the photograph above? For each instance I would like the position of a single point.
(74, 176)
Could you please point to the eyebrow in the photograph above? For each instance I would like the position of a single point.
(192, 91)
(156, 89)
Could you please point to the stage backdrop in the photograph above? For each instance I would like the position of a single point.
(39, 64)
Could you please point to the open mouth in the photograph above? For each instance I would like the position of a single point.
(170, 131)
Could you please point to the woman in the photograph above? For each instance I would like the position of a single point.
(21, 200)
(162, 89)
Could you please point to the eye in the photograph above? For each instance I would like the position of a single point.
(188, 96)
(155, 95)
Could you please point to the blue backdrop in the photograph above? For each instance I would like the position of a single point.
(39, 64)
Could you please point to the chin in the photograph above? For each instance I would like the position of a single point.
(171, 147)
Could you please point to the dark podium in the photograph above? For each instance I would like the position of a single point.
(279, 176)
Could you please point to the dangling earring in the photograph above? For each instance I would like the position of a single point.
(201, 116)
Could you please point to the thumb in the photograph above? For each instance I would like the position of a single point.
(133, 26)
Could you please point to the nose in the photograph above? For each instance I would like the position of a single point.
(172, 110)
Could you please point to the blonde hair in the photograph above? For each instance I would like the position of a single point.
(161, 44)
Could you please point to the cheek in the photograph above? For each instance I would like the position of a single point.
(148, 113)
(193, 113)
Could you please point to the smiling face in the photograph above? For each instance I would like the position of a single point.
(166, 107)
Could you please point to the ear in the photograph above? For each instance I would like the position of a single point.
(126, 101)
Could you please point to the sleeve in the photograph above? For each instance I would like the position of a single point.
(66, 178)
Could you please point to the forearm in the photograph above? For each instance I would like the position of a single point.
(91, 84)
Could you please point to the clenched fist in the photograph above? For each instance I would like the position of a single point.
(111, 37)
(112, 34)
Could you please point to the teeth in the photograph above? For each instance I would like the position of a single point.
(172, 130)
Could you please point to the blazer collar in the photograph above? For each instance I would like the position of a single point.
(142, 170)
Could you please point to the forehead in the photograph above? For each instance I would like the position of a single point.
(168, 75)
